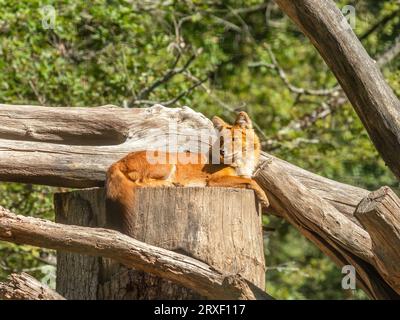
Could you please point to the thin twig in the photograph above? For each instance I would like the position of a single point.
(39, 97)
(173, 100)
(380, 24)
(184, 93)
(389, 54)
(327, 107)
(282, 75)
(173, 71)
(251, 9)
(226, 106)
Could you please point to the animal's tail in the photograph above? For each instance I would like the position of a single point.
(119, 199)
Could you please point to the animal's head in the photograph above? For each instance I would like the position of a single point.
(239, 146)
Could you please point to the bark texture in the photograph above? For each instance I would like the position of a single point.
(218, 226)
(73, 147)
(337, 235)
(379, 213)
(25, 287)
(132, 253)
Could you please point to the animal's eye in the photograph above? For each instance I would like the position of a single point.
(222, 152)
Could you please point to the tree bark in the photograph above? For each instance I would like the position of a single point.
(379, 213)
(132, 253)
(372, 98)
(63, 146)
(25, 287)
(176, 219)
(343, 197)
(345, 241)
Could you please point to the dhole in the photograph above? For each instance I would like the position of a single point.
(239, 153)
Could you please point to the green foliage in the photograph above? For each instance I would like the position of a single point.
(107, 51)
(34, 201)
(296, 269)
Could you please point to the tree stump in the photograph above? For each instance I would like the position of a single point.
(219, 226)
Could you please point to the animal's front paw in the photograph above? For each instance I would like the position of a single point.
(263, 200)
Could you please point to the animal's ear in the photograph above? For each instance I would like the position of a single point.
(219, 123)
(244, 120)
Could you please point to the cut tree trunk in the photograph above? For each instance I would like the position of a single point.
(219, 226)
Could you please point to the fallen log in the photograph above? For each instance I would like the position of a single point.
(132, 253)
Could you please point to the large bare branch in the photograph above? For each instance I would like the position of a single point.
(111, 244)
(359, 76)
(25, 287)
(343, 197)
(338, 235)
(73, 147)
(64, 146)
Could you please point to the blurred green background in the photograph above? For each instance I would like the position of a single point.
(107, 52)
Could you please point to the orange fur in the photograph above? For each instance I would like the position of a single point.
(135, 170)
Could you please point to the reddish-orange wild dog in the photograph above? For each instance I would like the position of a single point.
(239, 154)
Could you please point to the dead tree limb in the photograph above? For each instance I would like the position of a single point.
(345, 241)
(25, 287)
(358, 74)
(73, 147)
(111, 244)
(379, 213)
